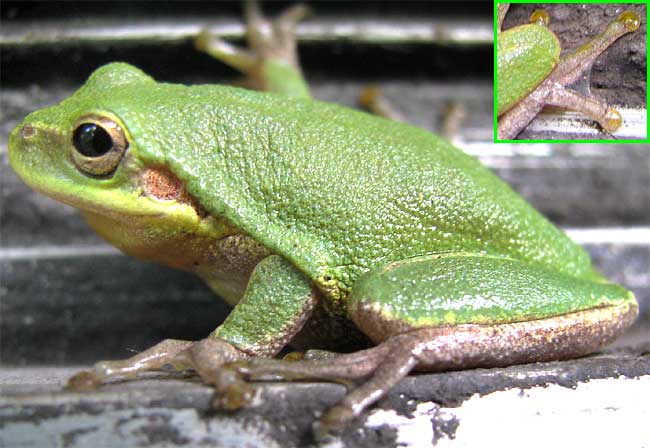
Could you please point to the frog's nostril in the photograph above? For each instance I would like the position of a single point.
(28, 131)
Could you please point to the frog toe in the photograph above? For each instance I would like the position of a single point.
(232, 392)
(373, 100)
(383, 365)
(333, 422)
(84, 381)
(205, 357)
(279, 32)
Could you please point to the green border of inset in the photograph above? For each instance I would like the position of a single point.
(614, 141)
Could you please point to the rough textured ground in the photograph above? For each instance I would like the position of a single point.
(423, 410)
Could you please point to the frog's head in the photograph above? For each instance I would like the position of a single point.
(80, 152)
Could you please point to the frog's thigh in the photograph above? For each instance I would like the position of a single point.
(466, 310)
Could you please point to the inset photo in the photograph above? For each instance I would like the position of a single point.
(571, 72)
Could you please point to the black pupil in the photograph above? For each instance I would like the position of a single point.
(92, 140)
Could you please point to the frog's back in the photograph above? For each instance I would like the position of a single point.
(335, 190)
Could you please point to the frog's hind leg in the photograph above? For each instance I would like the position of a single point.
(443, 349)
(453, 311)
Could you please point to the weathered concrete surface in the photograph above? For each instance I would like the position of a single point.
(424, 410)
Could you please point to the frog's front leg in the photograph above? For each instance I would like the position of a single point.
(271, 61)
(552, 90)
(277, 302)
(453, 311)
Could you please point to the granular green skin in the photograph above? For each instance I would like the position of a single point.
(335, 191)
(526, 55)
(456, 289)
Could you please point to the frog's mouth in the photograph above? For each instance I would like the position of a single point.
(41, 156)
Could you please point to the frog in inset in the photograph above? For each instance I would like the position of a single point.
(531, 74)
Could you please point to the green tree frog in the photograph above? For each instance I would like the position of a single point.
(325, 227)
(531, 73)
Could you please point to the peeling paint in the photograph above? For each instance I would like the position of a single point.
(542, 404)
(416, 431)
(598, 413)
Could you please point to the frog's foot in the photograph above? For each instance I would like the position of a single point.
(387, 363)
(205, 357)
(554, 94)
(441, 349)
(271, 61)
(608, 117)
(372, 99)
(570, 68)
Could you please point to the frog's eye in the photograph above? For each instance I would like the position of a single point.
(99, 144)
